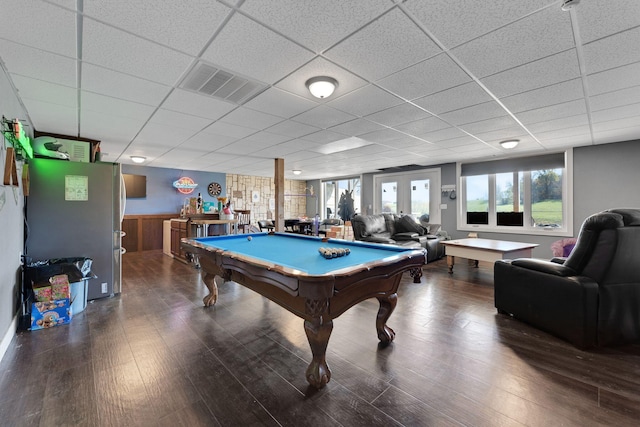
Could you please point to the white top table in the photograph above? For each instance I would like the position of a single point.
(485, 250)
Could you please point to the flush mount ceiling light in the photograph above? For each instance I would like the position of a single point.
(321, 87)
(297, 172)
(509, 143)
(567, 5)
(138, 159)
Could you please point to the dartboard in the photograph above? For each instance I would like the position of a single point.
(214, 189)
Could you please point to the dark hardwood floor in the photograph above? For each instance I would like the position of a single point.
(154, 356)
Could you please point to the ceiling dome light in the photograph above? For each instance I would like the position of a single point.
(567, 5)
(321, 87)
(297, 172)
(138, 159)
(510, 143)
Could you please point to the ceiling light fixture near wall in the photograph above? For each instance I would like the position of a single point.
(322, 86)
(138, 159)
(509, 143)
(297, 172)
(567, 5)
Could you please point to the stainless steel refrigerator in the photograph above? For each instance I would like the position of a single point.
(75, 209)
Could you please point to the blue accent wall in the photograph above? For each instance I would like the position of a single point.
(162, 197)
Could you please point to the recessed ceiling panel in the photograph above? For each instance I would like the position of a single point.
(197, 105)
(613, 51)
(280, 103)
(364, 101)
(30, 62)
(118, 85)
(464, 95)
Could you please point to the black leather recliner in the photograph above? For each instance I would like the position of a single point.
(591, 298)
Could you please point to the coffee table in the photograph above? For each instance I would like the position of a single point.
(485, 250)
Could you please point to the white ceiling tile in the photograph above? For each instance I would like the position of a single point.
(464, 95)
(614, 79)
(615, 99)
(292, 129)
(430, 76)
(443, 134)
(229, 129)
(323, 117)
(197, 105)
(560, 123)
(21, 60)
(207, 141)
(96, 125)
(497, 123)
(245, 147)
(420, 127)
(107, 82)
(324, 137)
(601, 18)
(536, 36)
(316, 25)
(456, 21)
(398, 115)
(387, 45)
(190, 124)
(493, 137)
(114, 106)
(52, 118)
(545, 72)
(613, 51)
(364, 101)
(41, 25)
(280, 103)
(160, 134)
(383, 136)
(552, 112)
(475, 113)
(615, 113)
(549, 95)
(457, 142)
(617, 134)
(244, 45)
(158, 21)
(47, 92)
(356, 127)
(251, 118)
(120, 51)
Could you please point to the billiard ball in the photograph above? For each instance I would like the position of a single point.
(249, 238)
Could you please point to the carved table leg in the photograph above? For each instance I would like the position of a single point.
(210, 281)
(416, 273)
(387, 305)
(450, 262)
(318, 331)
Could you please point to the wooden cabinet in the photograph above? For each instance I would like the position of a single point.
(143, 232)
(178, 232)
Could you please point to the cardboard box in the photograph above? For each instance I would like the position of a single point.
(50, 313)
(42, 292)
(60, 287)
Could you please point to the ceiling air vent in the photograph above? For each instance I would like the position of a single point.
(212, 81)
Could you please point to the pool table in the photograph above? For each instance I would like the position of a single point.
(289, 270)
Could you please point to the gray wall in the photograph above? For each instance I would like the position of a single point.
(11, 223)
(162, 197)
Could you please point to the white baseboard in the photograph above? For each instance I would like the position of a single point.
(8, 336)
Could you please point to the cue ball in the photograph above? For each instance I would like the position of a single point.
(249, 238)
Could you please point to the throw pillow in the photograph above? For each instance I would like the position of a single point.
(406, 223)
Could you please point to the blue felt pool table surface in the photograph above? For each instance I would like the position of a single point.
(300, 252)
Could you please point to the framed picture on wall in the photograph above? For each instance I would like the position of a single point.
(255, 196)
(272, 204)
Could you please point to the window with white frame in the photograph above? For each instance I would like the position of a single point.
(528, 195)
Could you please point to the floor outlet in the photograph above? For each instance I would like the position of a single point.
(104, 288)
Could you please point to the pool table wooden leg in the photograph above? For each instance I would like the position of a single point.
(318, 331)
(387, 305)
(209, 280)
(416, 273)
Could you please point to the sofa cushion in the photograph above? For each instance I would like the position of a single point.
(374, 224)
(407, 223)
(390, 221)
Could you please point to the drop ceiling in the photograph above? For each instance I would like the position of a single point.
(421, 82)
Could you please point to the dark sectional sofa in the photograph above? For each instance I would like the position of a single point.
(398, 230)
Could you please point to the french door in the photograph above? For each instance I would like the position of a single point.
(417, 193)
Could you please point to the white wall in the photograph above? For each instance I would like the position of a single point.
(11, 224)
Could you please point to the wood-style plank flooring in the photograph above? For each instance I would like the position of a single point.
(154, 356)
